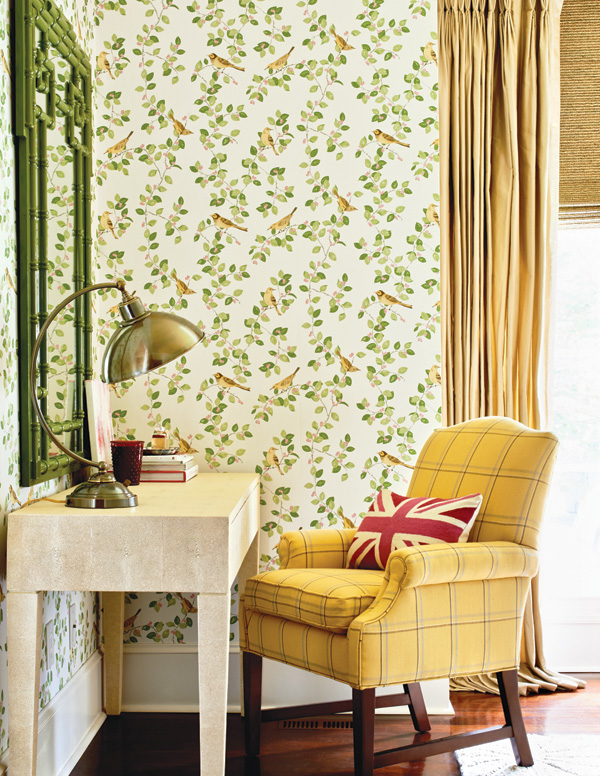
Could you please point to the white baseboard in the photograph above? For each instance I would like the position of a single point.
(572, 633)
(571, 646)
(69, 722)
(160, 677)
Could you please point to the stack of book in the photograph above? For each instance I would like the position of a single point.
(168, 468)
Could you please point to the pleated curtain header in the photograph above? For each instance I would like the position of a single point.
(487, 6)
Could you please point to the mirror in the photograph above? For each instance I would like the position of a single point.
(53, 141)
(60, 207)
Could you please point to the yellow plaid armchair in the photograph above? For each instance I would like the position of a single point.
(440, 610)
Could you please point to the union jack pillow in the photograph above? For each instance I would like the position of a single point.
(394, 521)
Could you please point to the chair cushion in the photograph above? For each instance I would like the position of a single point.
(327, 598)
(395, 521)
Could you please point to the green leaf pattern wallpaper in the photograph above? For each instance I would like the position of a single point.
(56, 605)
(271, 172)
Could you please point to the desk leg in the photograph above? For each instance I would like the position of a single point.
(113, 605)
(249, 568)
(24, 643)
(213, 665)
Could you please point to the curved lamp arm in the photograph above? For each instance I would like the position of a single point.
(120, 286)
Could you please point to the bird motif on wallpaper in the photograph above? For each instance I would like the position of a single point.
(429, 53)
(283, 223)
(390, 460)
(182, 288)
(114, 309)
(30, 498)
(273, 458)
(339, 41)
(281, 62)
(284, 384)
(270, 301)
(345, 363)
(13, 496)
(9, 280)
(5, 66)
(120, 146)
(345, 206)
(220, 63)
(434, 375)
(431, 215)
(436, 142)
(225, 223)
(113, 386)
(227, 383)
(130, 622)
(267, 139)
(187, 604)
(345, 520)
(107, 224)
(178, 126)
(388, 300)
(384, 139)
(104, 64)
(184, 445)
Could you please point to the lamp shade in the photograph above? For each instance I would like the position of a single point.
(145, 342)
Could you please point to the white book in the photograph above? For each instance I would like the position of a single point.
(181, 475)
(97, 395)
(169, 467)
(158, 461)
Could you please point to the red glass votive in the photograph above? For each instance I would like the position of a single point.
(127, 460)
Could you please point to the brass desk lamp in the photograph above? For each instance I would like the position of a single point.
(144, 341)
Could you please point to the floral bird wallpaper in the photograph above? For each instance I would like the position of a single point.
(271, 172)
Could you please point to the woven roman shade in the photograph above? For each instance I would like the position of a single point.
(580, 112)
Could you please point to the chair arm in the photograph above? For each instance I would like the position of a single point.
(435, 564)
(315, 549)
(432, 564)
(446, 610)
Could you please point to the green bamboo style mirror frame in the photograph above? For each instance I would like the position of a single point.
(52, 91)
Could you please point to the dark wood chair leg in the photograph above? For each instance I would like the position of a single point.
(509, 693)
(363, 717)
(416, 706)
(252, 668)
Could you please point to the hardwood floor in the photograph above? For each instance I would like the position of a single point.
(167, 744)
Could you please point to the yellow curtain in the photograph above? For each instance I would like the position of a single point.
(499, 122)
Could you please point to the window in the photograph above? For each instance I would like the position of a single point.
(570, 577)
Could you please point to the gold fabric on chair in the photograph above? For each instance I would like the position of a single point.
(326, 598)
(439, 610)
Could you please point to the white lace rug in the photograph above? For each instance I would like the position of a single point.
(553, 755)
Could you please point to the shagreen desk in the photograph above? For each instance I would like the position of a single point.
(195, 537)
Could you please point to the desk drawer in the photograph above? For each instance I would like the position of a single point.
(245, 525)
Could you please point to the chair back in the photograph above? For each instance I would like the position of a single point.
(507, 462)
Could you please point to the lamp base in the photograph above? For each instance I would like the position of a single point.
(101, 491)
